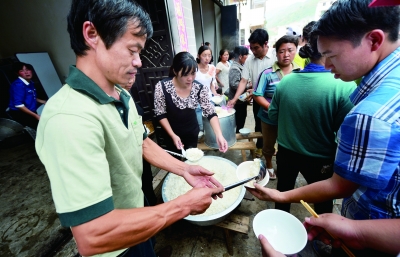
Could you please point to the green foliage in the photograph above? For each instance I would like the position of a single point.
(281, 15)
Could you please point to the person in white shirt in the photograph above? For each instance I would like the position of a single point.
(253, 66)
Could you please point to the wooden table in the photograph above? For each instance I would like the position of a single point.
(234, 222)
(242, 146)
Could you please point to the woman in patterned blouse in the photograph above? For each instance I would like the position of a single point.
(175, 101)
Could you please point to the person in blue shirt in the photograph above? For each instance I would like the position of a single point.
(358, 41)
(23, 101)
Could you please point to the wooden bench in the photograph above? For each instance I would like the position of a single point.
(234, 222)
(251, 136)
(240, 145)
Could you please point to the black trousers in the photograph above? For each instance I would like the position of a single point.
(147, 183)
(23, 118)
(257, 128)
(187, 141)
(240, 115)
(313, 169)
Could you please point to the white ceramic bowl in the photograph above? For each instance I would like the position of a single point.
(242, 170)
(217, 99)
(210, 219)
(191, 154)
(244, 132)
(283, 230)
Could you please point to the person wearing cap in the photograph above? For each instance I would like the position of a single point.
(367, 163)
(290, 31)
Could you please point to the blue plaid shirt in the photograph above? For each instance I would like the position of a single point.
(369, 144)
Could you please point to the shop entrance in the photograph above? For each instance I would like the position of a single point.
(156, 57)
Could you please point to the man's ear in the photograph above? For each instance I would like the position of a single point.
(376, 38)
(90, 34)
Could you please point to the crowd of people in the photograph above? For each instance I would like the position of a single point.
(344, 138)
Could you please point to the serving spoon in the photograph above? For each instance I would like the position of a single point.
(183, 155)
(183, 151)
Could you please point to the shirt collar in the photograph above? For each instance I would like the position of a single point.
(313, 67)
(275, 67)
(265, 57)
(235, 63)
(24, 80)
(82, 83)
(372, 80)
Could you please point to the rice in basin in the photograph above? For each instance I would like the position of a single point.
(223, 172)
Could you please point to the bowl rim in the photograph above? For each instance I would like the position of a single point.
(246, 131)
(296, 220)
(265, 180)
(196, 218)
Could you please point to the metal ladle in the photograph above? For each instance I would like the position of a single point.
(177, 154)
(183, 155)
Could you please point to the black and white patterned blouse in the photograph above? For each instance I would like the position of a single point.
(198, 95)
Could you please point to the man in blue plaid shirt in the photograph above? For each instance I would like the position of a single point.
(359, 41)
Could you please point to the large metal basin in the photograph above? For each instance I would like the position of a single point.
(215, 218)
(9, 128)
(228, 128)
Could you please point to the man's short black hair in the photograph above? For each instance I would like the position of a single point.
(109, 17)
(351, 19)
(240, 50)
(286, 39)
(259, 36)
(17, 66)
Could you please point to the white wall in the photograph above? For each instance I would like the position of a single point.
(188, 14)
(37, 26)
(249, 18)
(211, 19)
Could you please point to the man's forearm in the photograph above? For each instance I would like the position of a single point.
(156, 156)
(381, 234)
(40, 101)
(241, 87)
(121, 229)
(332, 188)
(261, 101)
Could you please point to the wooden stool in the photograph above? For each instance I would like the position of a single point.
(234, 222)
(242, 146)
(250, 137)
